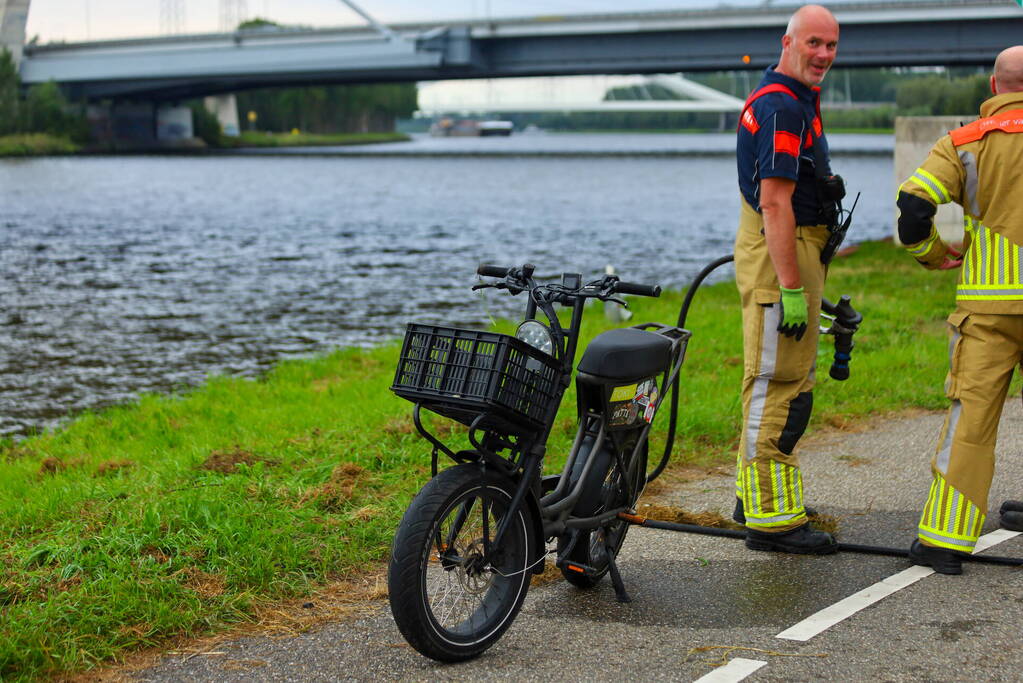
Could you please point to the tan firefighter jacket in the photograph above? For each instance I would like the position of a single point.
(980, 167)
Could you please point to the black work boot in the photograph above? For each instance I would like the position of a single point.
(803, 540)
(1011, 515)
(739, 514)
(940, 560)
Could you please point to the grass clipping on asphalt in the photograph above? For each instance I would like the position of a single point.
(178, 516)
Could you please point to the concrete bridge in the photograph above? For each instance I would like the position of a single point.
(145, 77)
(902, 33)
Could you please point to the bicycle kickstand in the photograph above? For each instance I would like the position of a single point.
(616, 577)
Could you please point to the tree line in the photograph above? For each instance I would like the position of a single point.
(887, 93)
(328, 109)
(42, 109)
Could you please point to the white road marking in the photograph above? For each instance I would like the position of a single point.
(843, 609)
(735, 670)
(994, 538)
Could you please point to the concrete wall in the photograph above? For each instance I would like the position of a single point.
(13, 16)
(914, 137)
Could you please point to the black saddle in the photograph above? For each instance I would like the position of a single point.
(626, 353)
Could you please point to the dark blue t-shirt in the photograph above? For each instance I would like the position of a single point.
(774, 141)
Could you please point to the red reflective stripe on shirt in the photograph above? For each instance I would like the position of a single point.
(786, 143)
(749, 122)
(1007, 122)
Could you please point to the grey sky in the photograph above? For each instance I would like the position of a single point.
(75, 20)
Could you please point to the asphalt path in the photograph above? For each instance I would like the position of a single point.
(701, 601)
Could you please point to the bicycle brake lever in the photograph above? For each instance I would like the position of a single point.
(483, 285)
(616, 300)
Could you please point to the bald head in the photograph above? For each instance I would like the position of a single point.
(810, 17)
(809, 45)
(1008, 75)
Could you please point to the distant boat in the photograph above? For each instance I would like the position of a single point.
(496, 128)
(461, 128)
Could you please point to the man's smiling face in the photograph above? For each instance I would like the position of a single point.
(809, 50)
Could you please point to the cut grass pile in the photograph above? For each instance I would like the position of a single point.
(178, 515)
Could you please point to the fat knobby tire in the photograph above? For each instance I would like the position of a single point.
(410, 558)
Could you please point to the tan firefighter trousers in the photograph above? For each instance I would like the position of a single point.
(984, 348)
(778, 376)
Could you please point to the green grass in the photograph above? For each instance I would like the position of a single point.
(113, 536)
(35, 144)
(261, 139)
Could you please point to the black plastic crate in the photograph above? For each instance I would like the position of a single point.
(463, 373)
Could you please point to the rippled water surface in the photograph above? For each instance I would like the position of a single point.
(129, 274)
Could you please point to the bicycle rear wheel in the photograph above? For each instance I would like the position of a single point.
(448, 600)
(591, 547)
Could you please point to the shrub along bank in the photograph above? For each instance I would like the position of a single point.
(180, 514)
(34, 144)
(296, 139)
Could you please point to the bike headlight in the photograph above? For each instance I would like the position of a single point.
(537, 335)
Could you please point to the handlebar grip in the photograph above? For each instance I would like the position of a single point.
(640, 290)
(488, 270)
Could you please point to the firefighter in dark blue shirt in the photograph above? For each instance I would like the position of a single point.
(782, 157)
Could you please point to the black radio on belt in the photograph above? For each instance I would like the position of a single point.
(831, 188)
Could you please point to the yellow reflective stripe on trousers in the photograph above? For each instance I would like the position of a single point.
(785, 504)
(950, 520)
(990, 266)
(738, 477)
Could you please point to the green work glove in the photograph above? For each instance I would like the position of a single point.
(793, 313)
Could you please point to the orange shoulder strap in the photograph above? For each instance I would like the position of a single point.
(773, 87)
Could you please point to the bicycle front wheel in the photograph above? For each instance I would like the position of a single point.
(452, 593)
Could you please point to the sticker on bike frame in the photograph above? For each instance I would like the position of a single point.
(626, 393)
(645, 392)
(651, 405)
(624, 413)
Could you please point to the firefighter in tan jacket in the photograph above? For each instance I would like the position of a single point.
(979, 167)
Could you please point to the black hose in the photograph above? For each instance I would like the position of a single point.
(842, 547)
(682, 314)
(707, 270)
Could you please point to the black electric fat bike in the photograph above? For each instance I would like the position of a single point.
(472, 538)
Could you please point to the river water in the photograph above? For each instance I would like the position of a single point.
(121, 275)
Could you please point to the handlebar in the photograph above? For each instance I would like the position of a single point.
(488, 270)
(616, 286)
(637, 289)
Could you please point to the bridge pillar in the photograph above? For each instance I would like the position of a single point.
(13, 16)
(173, 124)
(914, 137)
(225, 108)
